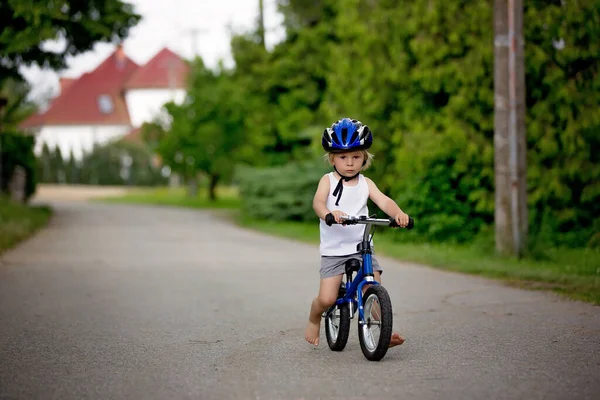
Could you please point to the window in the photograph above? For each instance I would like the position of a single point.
(105, 104)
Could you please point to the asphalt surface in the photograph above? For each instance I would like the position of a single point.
(124, 302)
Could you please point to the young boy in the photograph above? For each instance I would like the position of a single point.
(345, 192)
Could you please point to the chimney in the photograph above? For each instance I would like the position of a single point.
(65, 83)
(120, 57)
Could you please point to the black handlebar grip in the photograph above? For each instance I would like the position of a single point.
(411, 223)
(329, 219)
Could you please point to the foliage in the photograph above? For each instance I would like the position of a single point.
(280, 193)
(300, 14)
(425, 87)
(115, 163)
(17, 107)
(563, 123)
(420, 74)
(15, 148)
(26, 25)
(25, 28)
(120, 163)
(283, 91)
(206, 129)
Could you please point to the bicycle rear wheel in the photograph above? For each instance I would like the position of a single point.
(376, 332)
(337, 327)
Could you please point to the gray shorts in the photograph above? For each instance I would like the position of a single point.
(336, 265)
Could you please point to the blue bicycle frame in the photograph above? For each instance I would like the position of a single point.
(365, 275)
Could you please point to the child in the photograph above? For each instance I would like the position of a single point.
(345, 192)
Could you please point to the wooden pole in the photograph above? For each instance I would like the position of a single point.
(3, 103)
(509, 128)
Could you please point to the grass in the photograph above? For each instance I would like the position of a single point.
(574, 273)
(18, 222)
(227, 198)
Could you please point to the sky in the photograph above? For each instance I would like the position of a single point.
(169, 23)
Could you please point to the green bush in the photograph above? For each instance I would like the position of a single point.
(17, 150)
(280, 193)
(103, 166)
(446, 184)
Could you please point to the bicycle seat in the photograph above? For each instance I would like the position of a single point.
(352, 265)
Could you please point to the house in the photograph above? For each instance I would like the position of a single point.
(109, 102)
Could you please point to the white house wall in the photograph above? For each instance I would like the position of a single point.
(78, 138)
(144, 104)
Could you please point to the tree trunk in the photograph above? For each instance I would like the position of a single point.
(17, 184)
(212, 189)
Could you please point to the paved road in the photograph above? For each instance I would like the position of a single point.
(122, 302)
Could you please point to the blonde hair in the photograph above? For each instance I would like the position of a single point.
(368, 158)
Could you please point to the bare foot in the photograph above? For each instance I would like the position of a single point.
(311, 334)
(396, 340)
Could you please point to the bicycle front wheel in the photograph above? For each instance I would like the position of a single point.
(376, 330)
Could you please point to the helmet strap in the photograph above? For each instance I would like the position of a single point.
(340, 186)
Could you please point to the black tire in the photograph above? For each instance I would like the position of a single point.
(338, 341)
(375, 348)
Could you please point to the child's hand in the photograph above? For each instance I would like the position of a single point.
(401, 219)
(337, 214)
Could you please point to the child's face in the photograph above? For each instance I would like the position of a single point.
(349, 164)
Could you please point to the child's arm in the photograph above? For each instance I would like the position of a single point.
(386, 204)
(320, 199)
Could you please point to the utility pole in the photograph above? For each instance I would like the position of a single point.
(261, 23)
(3, 103)
(510, 147)
(194, 32)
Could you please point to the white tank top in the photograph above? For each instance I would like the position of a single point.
(341, 240)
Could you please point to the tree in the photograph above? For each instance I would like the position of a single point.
(562, 56)
(44, 164)
(26, 24)
(14, 108)
(17, 107)
(57, 166)
(284, 89)
(71, 169)
(207, 132)
(302, 14)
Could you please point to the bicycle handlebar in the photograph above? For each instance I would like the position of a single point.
(364, 220)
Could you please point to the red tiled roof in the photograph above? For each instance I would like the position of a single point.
(165, 70)
(80, 103)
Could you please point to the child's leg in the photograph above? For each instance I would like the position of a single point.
(328, 291)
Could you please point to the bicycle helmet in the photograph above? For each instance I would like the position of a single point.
(347, 135)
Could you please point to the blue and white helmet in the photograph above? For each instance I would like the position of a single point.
(347, 135)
